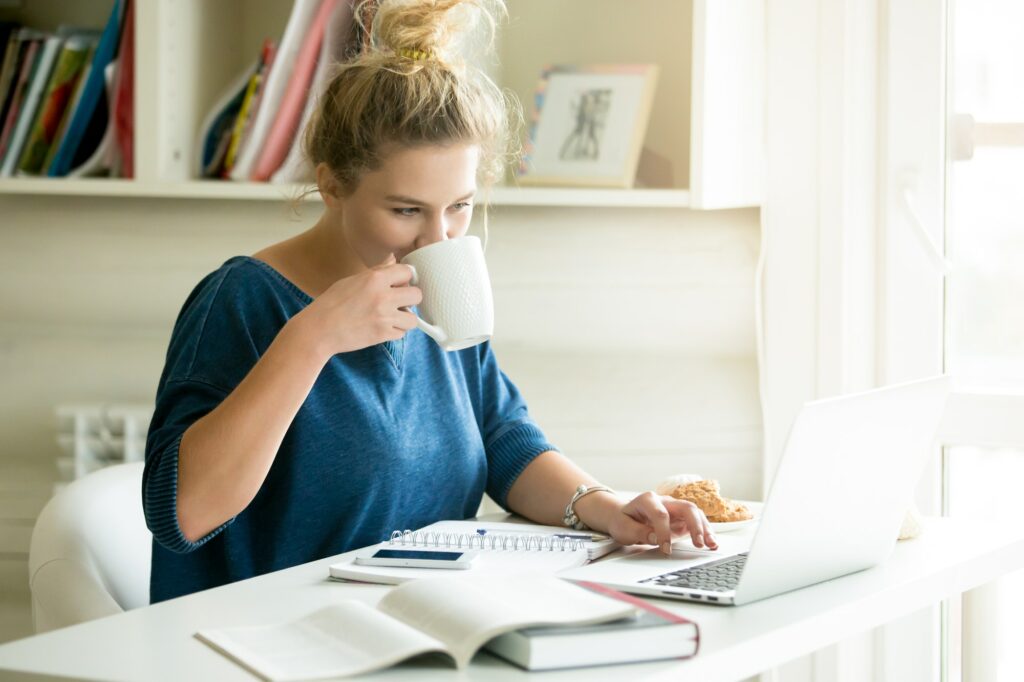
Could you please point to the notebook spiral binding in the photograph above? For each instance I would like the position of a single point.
(505, 541)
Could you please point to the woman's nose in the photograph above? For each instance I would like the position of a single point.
(435, 231)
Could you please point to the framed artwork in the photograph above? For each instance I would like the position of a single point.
(588, 125)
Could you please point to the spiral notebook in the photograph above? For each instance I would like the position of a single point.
(503, 548)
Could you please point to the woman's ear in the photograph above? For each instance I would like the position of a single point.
(330, 188)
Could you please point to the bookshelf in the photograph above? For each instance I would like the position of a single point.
(230, 191)
(705, 122)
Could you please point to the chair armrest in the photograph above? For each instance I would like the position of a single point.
(65, 593)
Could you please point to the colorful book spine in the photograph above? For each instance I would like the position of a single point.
(244, 113)
(282, 130)
(58, 94)
(13, 55)
(76, 97)
(48, 52)
(20, 86)
(95, 87)
(124, 93)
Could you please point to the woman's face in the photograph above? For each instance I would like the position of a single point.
(418, 196)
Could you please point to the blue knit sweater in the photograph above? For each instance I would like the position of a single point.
(393, 436)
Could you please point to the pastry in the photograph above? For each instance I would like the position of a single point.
(718, 509)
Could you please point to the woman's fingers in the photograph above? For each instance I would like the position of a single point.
(648, 509)
(657, 519)
(709, 536)
(700, 532)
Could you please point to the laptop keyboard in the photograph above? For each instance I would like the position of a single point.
(717, 576)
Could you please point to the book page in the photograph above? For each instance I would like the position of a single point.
(347, 638)
(463, 612)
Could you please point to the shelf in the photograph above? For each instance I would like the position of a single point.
(234, 191)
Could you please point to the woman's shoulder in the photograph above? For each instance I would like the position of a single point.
(243, 281)
(233, 313)
(243, 294)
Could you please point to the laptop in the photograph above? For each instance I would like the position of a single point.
(842, 488)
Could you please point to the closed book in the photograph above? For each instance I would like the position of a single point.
(272, 90)
(296, 93)
(652, 634)
(20, 87)
(215, 133)
(334, 48)
(86, 116)
(76, 98)
(39, 79)
(123, 100)
(58, 94)
(13, 54)
(246, 111)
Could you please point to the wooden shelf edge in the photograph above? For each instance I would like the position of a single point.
(233, 191)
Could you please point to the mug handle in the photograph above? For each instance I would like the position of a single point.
(430, 330)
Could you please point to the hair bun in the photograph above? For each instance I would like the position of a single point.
(419, 29)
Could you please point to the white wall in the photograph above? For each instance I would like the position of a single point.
(630, 331)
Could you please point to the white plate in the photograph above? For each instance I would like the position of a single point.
(728, 526)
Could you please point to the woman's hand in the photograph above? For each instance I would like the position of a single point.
(653, 519)
(362, 310)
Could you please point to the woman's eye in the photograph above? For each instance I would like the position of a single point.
(408, 212)
(462, 205)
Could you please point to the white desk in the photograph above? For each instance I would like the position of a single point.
(156, 642)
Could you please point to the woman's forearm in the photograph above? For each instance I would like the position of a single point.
(548, 483)
(225, 456)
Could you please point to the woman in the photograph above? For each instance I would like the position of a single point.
(300, 413)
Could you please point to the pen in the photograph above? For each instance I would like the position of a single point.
(569, 536)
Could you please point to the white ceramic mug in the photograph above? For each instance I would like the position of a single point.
(458, 307)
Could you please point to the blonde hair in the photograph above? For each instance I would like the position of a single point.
(410, 87)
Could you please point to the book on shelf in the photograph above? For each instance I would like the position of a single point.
(76, 97)
(295, 32)
(29, 106)
(58, 93)
(13, 52)
(266, 120)
(94, 154)
(31, 44)
(217, 130)
(296, 92)
(453, 617)
(334, 48)
(90, 117)
(502, 548)
(248, 106)
(122, 161)
(651, 634)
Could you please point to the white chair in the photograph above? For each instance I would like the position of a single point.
(90, 552)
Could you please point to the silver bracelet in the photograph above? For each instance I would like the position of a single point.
(570, 519)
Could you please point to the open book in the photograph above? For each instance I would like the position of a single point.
(453, 616)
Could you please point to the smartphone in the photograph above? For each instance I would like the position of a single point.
(418, 558)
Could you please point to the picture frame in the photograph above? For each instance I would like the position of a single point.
(588, 124)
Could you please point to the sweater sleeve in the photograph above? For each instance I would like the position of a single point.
(217, 339)
(511, 438)
(179, 405)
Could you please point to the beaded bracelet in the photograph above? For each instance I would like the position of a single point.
(570, 519)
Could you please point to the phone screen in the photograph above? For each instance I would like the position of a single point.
(417, 554)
